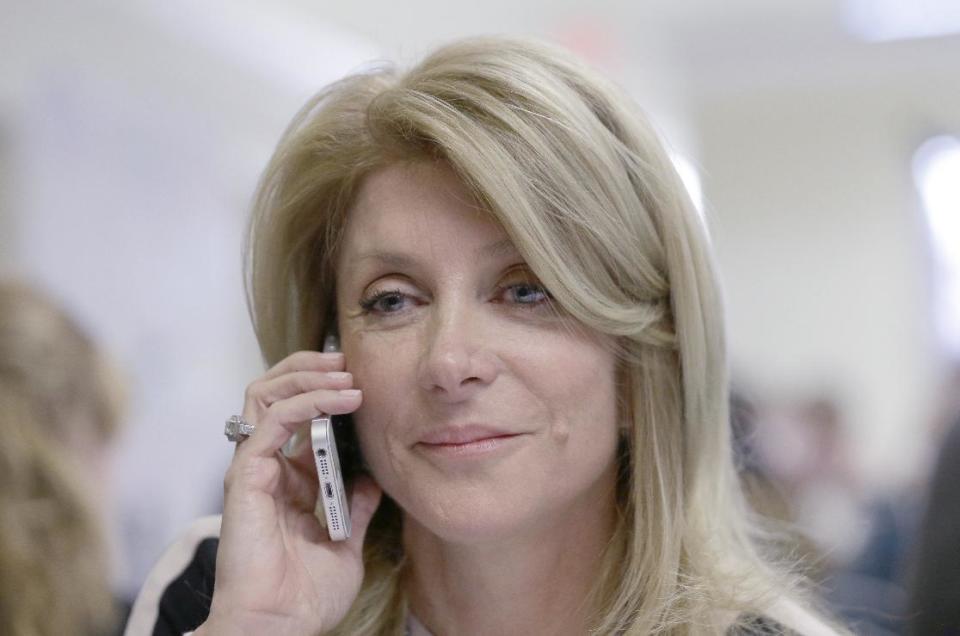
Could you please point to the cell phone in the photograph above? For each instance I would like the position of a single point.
(325, 430)
(333, 496)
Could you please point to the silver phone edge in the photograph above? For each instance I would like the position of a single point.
(322, 438)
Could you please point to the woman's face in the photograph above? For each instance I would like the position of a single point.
(484, 413)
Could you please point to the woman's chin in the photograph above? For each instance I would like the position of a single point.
(469, 520)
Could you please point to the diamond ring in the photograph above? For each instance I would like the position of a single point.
(238, 429)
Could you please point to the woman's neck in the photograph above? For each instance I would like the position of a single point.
(538, 582)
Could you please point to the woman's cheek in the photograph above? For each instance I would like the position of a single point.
(373, 433)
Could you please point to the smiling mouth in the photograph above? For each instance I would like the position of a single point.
(453, 435)
(474, 447)
(478, 440)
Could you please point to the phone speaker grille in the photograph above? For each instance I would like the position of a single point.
(334, 518)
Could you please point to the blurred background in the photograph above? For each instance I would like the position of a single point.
(821, 139)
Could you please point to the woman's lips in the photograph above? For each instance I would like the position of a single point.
(475, 447)
(467, 441)
(456, 435)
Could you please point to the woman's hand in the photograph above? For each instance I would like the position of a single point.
(277, 570)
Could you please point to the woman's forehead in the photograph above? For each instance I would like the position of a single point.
(421, 207)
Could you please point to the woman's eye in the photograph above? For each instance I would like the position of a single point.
(527, 294)
(384, 302)
(393, 301)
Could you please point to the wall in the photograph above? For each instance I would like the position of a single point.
(823, 250)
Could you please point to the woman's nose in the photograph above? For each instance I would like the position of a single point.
(458, 359)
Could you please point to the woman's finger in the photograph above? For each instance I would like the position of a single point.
(266, 391)
(306, 361)
(277, 423)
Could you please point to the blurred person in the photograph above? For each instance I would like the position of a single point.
(533, 357)
(762, 490)
(854, 545)
(59, 409)
(804, 447)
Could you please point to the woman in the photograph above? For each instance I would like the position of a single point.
(533, 357)
(59, 409)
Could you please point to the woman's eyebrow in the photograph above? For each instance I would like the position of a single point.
(500, 248)
(394, 259)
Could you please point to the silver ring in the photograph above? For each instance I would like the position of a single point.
(238, 429)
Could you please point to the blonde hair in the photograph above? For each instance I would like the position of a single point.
(54, 390)
(582, 186)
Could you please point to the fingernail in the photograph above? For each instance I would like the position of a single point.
(339, 375)
(350, 392)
